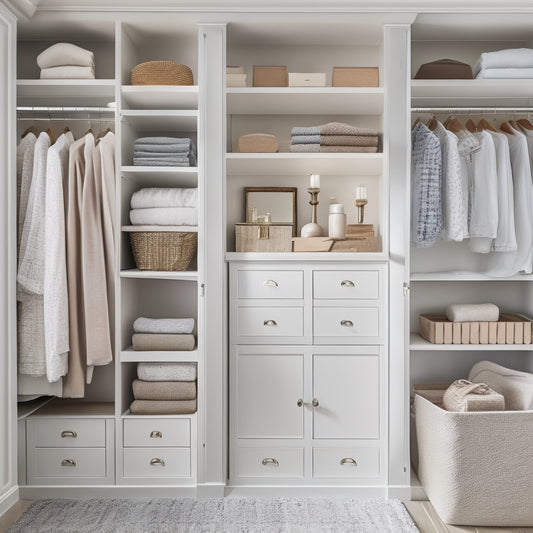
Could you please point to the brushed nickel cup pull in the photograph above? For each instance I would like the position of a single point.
(314, 402)
(69, 433)
(269, 461)
(347, 283)
(347, 323)
(270, 323)
(156, 435)
(68, 462)
(270, 283)
(348, 461)
(299, 402)
(157, 461)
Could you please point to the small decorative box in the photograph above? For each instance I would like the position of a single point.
(270, 76)
(307, 79)
(264, 237)
(355, 77)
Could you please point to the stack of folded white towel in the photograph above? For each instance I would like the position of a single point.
(164, 152)
(164, 207)
(513, 63)
(66, 61)
(163, 334)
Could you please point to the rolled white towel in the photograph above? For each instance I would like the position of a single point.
(160, 197)
(472, 313)
(166, 371)
(60, 54)
(70, 72)
(508, 58)
(165, 216)
(163, 325)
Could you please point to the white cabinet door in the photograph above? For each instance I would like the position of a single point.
(347, 390)
(268, 389)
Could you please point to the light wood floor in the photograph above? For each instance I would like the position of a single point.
(423, 514)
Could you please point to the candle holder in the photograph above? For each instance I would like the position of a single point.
(312, 229)
(360, 204)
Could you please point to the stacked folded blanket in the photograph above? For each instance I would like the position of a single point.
(66, 61)
(164, 389)
(334, 137)
(513, 63)
(164, 152)
(164, 207)
(163, 334)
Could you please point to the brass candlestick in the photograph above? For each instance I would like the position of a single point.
(312, 229)
(360, 204)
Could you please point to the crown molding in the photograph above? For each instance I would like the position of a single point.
(22, 9)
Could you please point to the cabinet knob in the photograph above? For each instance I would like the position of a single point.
(315, 402)
(347, 283)
(348, 461)
(69, 433)
(157, 461)
(270, 461)
(347, 323)
(270, 323)
(68, 462)
(270, 283)
(156, 435)
(299, 402)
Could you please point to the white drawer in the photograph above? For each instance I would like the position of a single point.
(270, 462)
(161, 462)
(346, 462)
(346, 322)
(68, 432)
(157, 432)
(270, 284)
(68, 462)
(270, 321)
(356, 284)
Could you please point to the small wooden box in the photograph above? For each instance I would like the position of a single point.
(355, 77)
(307, 79)
(253, 237)
(270, 76)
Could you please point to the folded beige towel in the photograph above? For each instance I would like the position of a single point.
(153, 407)
(464, 396)
(257, 143)
(164, 390)
(61, 54)
(472, 313)
(67, 73)
(166, 371)
(162, 342)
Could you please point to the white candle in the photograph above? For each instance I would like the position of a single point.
(360, 193)
(315, 181)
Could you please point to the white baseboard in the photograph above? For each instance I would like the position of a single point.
(210, 490)
(105, 491)
(399, 492)
(305, 492)
(10, 498)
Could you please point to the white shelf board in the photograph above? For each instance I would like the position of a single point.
(182, 229)
(308, 257)
(185, 275)
(252, 164)
(304, 100)
(161, 120)
(450, 93)
(418, 343)
(129, 355)
(65, 92)
(465, 276)
(160, 96)
(161, 176)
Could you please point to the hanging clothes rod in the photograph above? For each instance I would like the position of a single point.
(472, 110)
(65, 119)
(66, 109)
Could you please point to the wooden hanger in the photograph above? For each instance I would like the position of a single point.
(415, 123)
(432, 124)
(505, 127)
(50, 134)
(447, 121)
(454, 125)
(485, 125)
(525, 123)
(513, 124)
(30, 129)
(470, 126)
(103, 133)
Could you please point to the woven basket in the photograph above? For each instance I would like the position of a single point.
(161, 73)
(163, 250)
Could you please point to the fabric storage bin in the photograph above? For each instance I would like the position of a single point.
(161, 73)
(253, 237)
(476, 467)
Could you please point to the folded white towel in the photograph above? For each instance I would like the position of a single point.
(472, 313)
(505, 74)
(60, 54)
(509, 58)
(165, 216)
(67, 73)
(166, 371)
(164, 325)
(164, 197)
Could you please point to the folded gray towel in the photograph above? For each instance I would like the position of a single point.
(333, 128)
(166, 371)
(473, 313)
(151, 162)
(162, 140)
(163, 325)
(162, 148)
(333, 149)
(164, 390)
(165, 156)
(152, 407)
(336, 140)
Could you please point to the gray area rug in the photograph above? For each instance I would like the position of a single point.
(216, 515)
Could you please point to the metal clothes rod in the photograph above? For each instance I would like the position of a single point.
(66, 109)
(472, 110)
(65, 119)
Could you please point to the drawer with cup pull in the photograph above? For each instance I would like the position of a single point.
(66, 463)
(270, 462)
(342, 322)
(286, 284)
(349, 462)
(270, 322)
(68, 432)
(157, 463)
(346, 284)
(157, 432)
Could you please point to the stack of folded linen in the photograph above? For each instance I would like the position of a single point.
(164, 152)
(513, 63)
(154, 334)
(334, 137)
(164, 389)
(66, 61)
(164, 207)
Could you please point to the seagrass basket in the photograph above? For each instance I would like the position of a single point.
(161, 73)
(163, 250)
